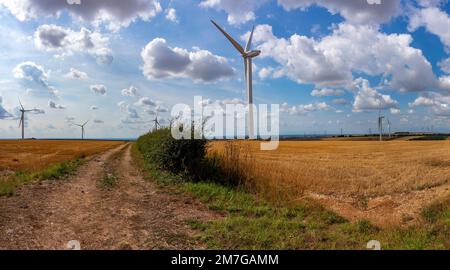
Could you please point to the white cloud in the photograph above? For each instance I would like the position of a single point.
(354, 11)
(161, 61)
(76, 74)
(171, 15)
(304, 108)
(130, 91)
(3, 113)
(434, 20)
(53, 105)
(332, 60)
(445, 65)
(367, 98)
(325, 92)
(238, 11)
(438, 103)
(31, 72)
(66, 41)
(145, 101)
(98, 89)
(112, 13)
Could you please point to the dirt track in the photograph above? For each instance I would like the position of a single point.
(133, 214)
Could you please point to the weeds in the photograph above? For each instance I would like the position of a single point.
(12, 182)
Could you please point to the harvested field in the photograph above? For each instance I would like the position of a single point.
(32, 155)
(386, 182)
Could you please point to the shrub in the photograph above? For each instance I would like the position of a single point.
(177, 156)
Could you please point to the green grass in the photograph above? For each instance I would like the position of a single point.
(430, 138)
(249, 222)
(11, 183)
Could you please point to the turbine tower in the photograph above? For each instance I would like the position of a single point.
(380, 125)
(248, 55)
(22, 118)
(82, 129)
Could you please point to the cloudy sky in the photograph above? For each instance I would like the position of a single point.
(329, 64)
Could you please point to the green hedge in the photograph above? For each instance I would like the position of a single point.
(177, 156)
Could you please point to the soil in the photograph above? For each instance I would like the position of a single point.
(131, 214)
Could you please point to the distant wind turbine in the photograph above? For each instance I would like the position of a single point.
(389, 127)
(22, 118)
(248, 55)
(82, 129)
(380, 125)
(156, 123)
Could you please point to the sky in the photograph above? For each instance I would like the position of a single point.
(329, 64)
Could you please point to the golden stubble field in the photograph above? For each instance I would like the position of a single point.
(32, 155)
(386, 182)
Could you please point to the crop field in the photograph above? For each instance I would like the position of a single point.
(32, 155)
(387, 182)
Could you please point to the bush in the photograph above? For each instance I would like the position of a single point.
(177, 156)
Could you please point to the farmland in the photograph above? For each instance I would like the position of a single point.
(31, 155)
(24, 161)
(387, 183)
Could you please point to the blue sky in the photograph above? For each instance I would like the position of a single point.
(329, 64)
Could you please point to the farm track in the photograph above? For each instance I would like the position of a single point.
(132, 214)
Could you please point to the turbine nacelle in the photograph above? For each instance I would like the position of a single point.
(252, 54)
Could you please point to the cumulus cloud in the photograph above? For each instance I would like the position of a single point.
(445, 65)
(3, 113)
(437, 103)
(434, 20)
(161, 61)
(326, 92)
(354, 11)
(238, 11)
(332, 60)
(33, 73)
(145, 101)
(53, 105)
(76, 74)
(367, 98)
(171, 15)
(130, 91)
(98, 89)
(112, 13)
(51, 37)
(304, 108)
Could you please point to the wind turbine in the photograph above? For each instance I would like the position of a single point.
(82, 129)
(248, 55)
(22, 118)
(389, 127)
(157, 124)
(380, 125)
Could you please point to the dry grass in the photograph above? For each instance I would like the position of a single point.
(33, 155)
(340, 168)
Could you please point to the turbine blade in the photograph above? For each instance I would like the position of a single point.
(248, 47)
(86, 122)
(21, 104)
(234, 42)
(20, 123)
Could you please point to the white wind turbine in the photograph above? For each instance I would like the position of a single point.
(389, 127)
(82, 129)
(157, 124)
(380, 125)
(22, 118)
(248, 55)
